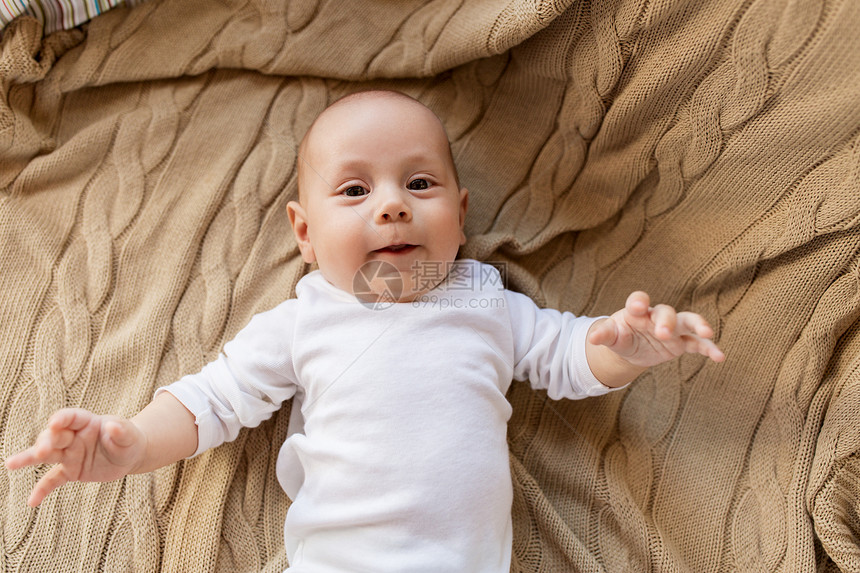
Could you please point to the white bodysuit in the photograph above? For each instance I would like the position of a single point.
(402, 462)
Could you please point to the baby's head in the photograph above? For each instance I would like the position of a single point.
(377, 182)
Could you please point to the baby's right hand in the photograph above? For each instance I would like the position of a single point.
(85, 447)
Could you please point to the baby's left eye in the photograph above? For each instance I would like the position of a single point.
(418, 184)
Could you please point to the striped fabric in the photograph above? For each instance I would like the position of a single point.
(55, 14)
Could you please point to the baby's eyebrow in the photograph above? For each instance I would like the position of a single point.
(348, 164)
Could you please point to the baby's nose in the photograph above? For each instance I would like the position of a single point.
(394, 215)
(393, 208)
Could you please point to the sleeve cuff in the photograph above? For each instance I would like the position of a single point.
(582, 374)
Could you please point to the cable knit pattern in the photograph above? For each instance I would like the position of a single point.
(707, 152)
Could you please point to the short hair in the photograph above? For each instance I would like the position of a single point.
(365, 94)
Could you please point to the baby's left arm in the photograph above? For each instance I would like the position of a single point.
(619, 348)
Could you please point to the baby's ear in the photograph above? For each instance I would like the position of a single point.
(299, 222)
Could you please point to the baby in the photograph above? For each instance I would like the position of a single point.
(398, 355)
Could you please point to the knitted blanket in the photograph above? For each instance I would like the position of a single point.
(706, 152)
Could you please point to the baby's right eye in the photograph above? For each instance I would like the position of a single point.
(355, 191)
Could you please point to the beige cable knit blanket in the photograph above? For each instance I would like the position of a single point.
(705, 151)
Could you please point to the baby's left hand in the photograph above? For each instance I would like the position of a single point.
(645, 336)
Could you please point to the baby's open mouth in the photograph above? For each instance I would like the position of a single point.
(399, 248)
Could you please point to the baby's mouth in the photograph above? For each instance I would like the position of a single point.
(400, 248)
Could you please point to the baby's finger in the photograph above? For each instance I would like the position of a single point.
(50, 444)
(55, 439)
(74, 419)
(603, 333)
(713, 351)
(50, 481)
(42, 452)
(690, 322)
(118, 433)
(638, 303)
(704, 346)
(665, 320)
(21, 460)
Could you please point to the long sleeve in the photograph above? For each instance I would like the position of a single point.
(549, 349)
(248, 381)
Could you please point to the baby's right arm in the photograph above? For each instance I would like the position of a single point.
(89, 447)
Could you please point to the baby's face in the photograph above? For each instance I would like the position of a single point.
(378, 184)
